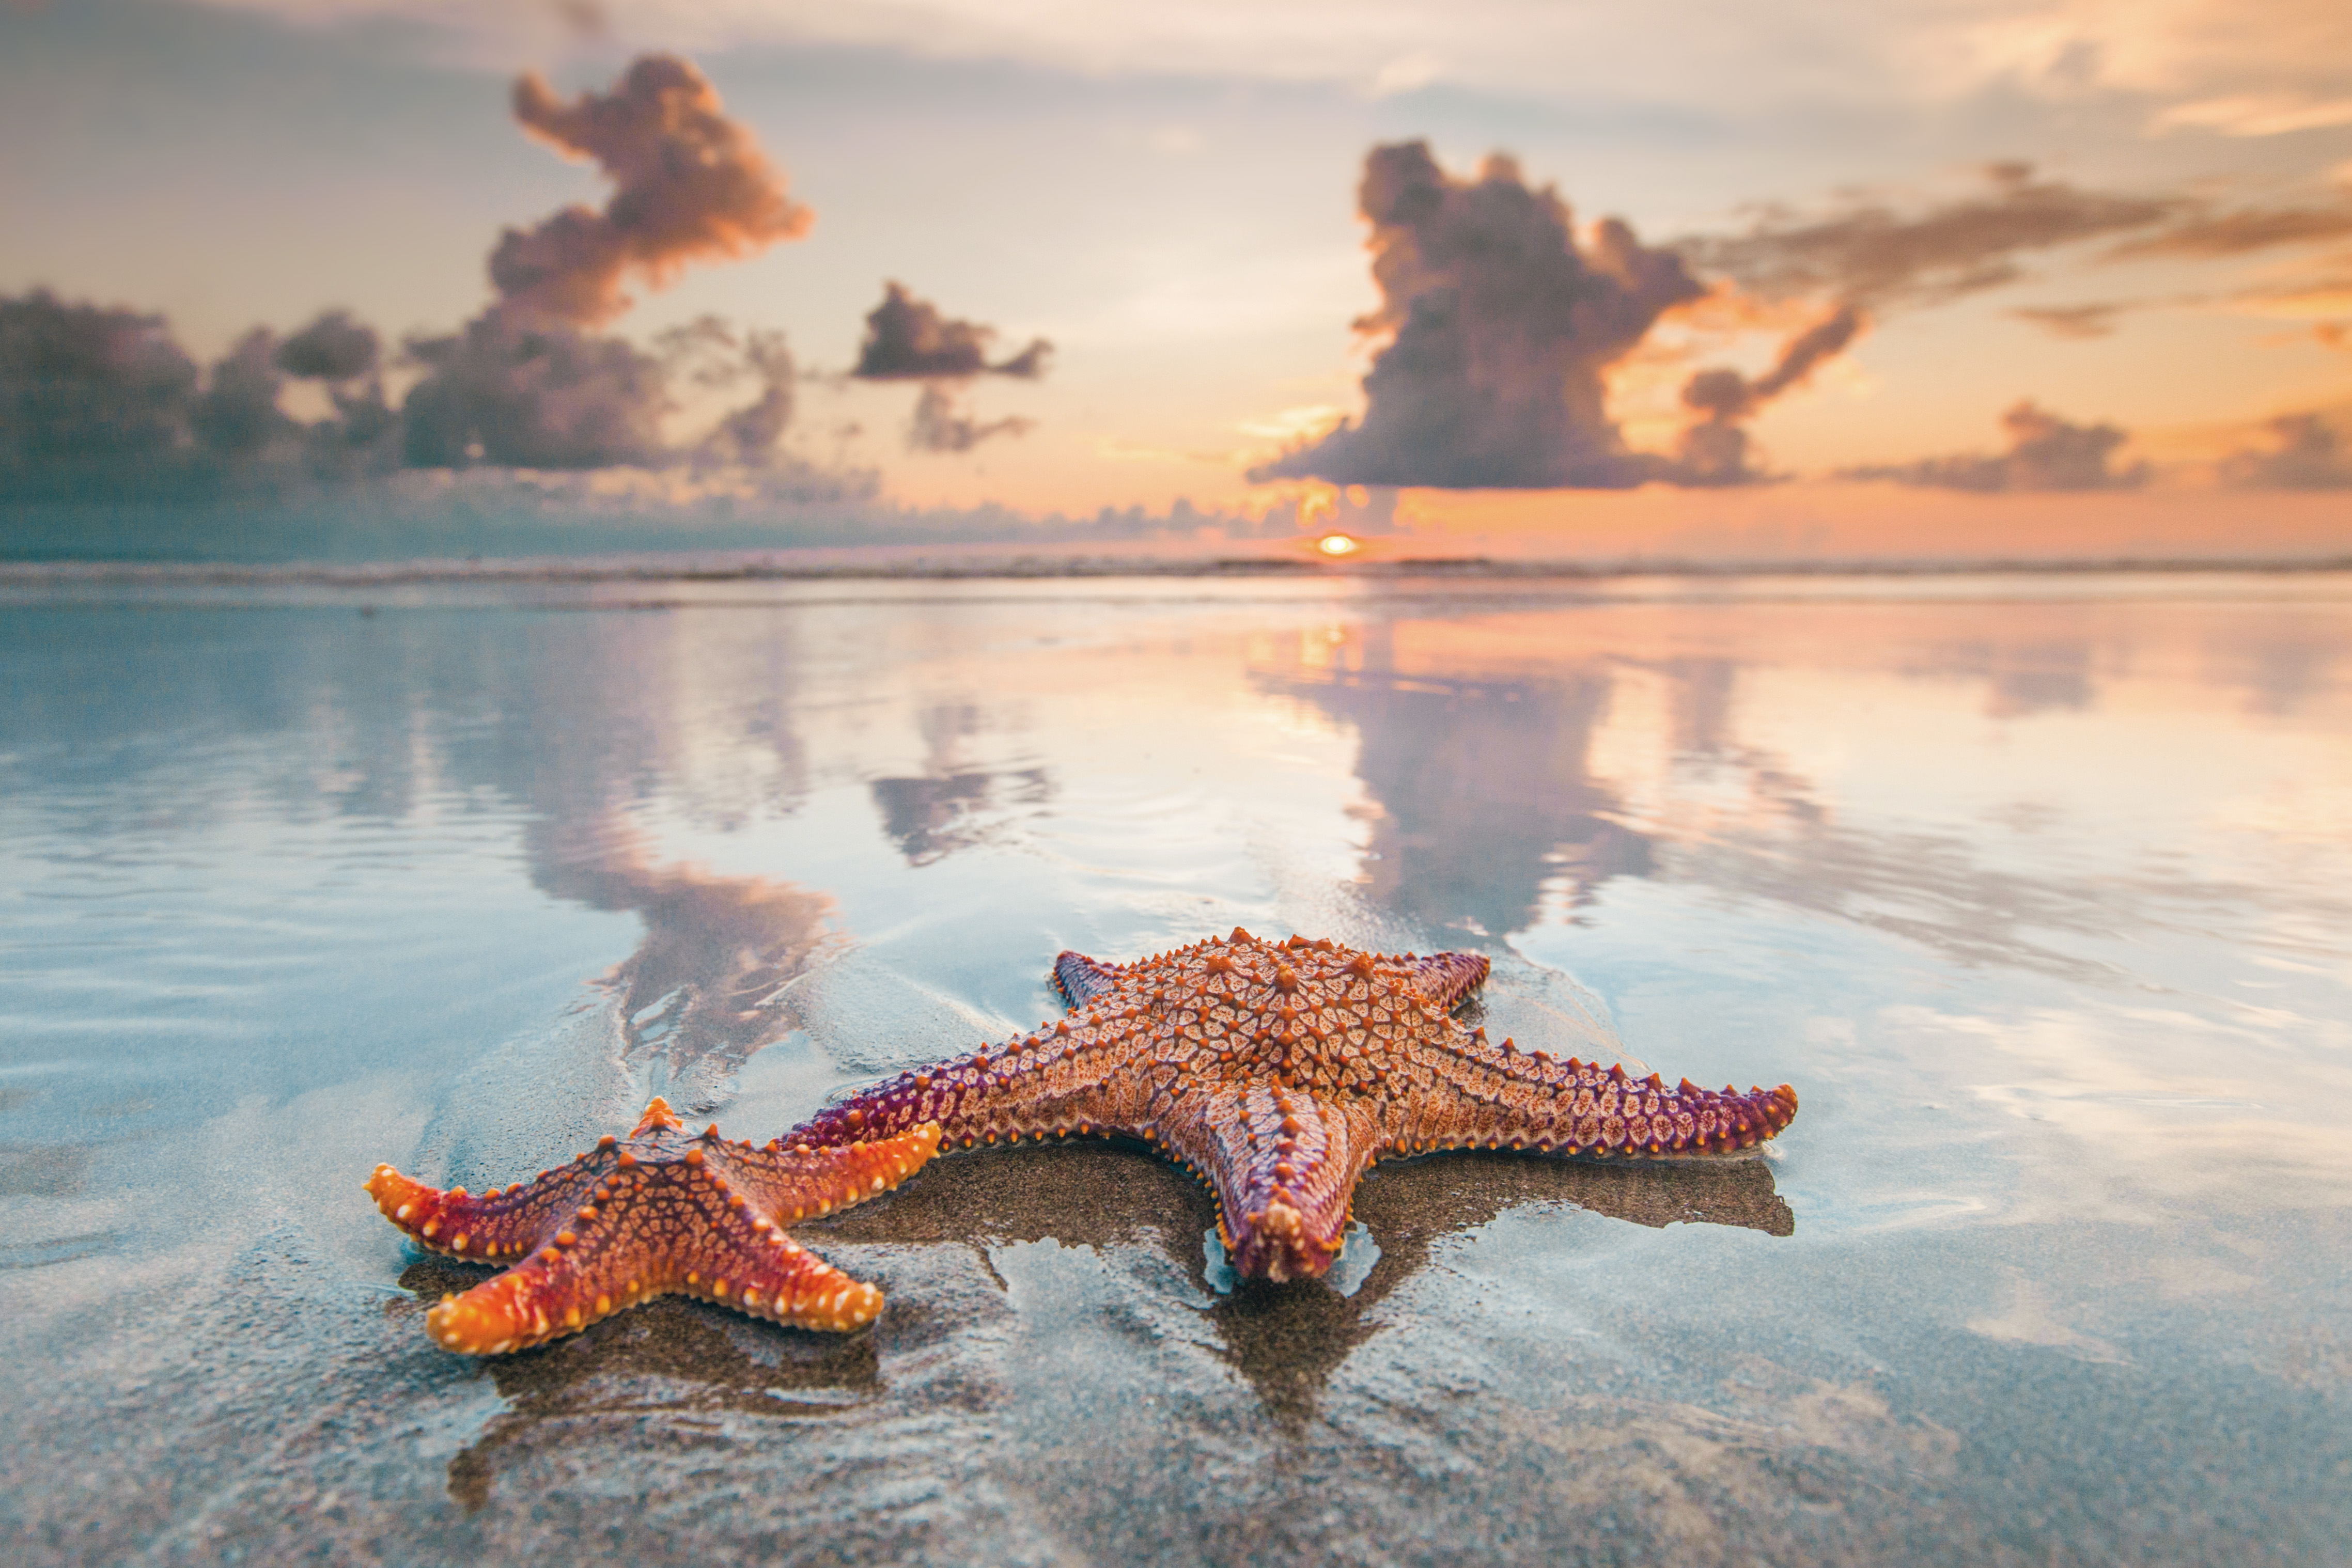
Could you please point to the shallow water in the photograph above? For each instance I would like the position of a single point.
(2039, 891)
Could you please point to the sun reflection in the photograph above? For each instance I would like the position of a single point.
(1336, 545)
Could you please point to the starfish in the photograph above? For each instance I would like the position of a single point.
(662, 1211)
(1280, 1072)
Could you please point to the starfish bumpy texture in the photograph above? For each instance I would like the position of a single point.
(661, 1212)
(1279, 1073)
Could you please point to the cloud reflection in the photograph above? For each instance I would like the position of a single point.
(698, 993)
(950, 805)
(1484, 787)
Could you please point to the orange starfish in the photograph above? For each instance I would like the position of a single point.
(658, 1213)
(1280, 1072)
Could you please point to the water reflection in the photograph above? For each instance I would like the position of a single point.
(1288, 1340)
(1484, 788)
(2047, 898)
(701, 991)
(951, 805)
(668, 1359)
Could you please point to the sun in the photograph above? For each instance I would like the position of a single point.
(1336, 545)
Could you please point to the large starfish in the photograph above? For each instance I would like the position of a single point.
(1280, 1072)
(662, 1211)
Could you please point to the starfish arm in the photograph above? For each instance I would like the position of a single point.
(1468, 1092)
(1081, 979)
(574, 1279)
(1445, 978)
(494, 1225)
(1084, 1073)
(752, 1266)
(791, 1185)
(1285, 1165)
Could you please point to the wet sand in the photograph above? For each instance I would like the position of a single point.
(2036, 893)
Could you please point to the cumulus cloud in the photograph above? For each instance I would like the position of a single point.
(95, 401)
(710, 354)
(333, 348)
(237, 414)
(2045, 452)
(86, 384)
(1502, 325)
(525, 385)
(98, 402)
(907, 340)
(2306, 453)
(550, 397)
(1872, 254)
(690, 186)
(1715, 446)
(939, 426)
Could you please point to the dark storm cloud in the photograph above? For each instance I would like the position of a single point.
(2045, 452)
(907, 340)
(690, 186)
(2307, 455)
(1501, 327)
(938, 426)
(1872, 254)
(333, 347)
(1715, 447)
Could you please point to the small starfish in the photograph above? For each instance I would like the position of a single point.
(658, 1213)
(1280, 1073)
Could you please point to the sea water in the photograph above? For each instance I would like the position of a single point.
(2037, 889)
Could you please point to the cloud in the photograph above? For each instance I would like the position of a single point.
(751, 433)
(532, 398)
(908, 339)
(1874, 255)
(1502, 325)
(1719, 58)
(708, 353)
(237, 414)
(2205, 233)
(2258, 114)
(554, 397)
(689, 185)
(523, 385)
(333, 347)
(2309, 456)
(1715, 446)
(85, 384)
(939, 427)
(2045, 452)
(2092, 320)
(103, 401)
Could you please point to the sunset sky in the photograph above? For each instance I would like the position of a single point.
(2131, 214)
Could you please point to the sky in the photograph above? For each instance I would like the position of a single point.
(1047, 255)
